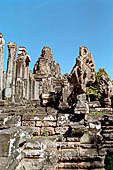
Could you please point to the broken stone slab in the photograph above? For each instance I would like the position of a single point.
(8, 141)
(10, 121)
(11, 138)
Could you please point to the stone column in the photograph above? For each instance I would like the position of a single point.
(1, 63)
(36, 90)
(11, 71)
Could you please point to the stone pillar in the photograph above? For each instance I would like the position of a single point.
(22, 74)
(11, 71)
(1, 63)
(36, 90)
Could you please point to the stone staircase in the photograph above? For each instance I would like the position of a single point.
(76, 142)
(107, 132)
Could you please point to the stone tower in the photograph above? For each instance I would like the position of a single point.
(22, 74)
(1, 63)
(11, 71)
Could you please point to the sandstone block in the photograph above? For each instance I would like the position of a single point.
(28, 123)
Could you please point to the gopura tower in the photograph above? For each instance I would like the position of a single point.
(1, 63)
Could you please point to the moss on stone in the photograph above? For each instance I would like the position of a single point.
(96, 113)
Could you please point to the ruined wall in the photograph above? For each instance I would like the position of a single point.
(45, 138)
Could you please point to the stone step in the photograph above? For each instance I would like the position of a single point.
(102, 110)
(107, 123)
(67, 145)
(107, 131)
(65, 166)
(68, 139)
(106, 127)
(106, 145)
(95, 165)
(32, 153)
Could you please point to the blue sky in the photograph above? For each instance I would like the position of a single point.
(64, 25)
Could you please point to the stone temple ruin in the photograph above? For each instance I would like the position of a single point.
(47, 121)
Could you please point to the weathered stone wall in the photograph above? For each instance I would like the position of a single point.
(45, 138)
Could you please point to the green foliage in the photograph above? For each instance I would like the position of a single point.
(109, 163)
(46, 133)
(92, 88)
(101, 72)
(94, 114)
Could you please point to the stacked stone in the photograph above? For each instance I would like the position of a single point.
(55, 141)
(107, 133)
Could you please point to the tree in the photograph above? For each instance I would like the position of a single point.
(92, 90)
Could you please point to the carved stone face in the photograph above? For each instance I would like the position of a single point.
(84, 51)
(46, 51)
